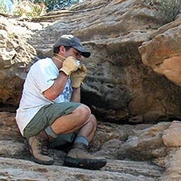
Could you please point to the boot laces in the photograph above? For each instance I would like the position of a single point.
(83, 148)
(43, 146)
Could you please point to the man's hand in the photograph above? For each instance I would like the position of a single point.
(78, 76)
(69, 65)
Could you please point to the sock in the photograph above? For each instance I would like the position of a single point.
(50, 132)
(81, 139)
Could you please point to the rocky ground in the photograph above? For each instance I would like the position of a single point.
(17, 169)
(133, 152)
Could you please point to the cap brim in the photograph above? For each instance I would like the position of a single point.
(83, 51)
(86, 54)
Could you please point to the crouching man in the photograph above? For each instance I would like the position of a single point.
(50, 108)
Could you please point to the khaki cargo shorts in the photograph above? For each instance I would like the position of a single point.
(46, 116)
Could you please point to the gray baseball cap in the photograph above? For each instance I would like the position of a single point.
(72, 41)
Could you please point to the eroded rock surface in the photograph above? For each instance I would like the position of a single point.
(133, 152)
(133, 77)
(132, 43)
(16, 164)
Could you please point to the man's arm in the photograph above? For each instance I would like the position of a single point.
(76, 95)
(69, 65)
(57, 88)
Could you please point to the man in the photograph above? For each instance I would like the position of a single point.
(50, 108)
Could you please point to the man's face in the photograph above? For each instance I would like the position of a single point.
(73, 52)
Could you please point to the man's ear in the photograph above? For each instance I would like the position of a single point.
(62, 49)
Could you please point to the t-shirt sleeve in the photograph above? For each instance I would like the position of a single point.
(45, 76)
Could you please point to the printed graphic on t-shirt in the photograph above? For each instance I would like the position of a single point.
(66, 93)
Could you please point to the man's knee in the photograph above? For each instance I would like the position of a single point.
(83, 111)
(93, 119)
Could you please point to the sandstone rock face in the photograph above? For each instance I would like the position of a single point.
(123, 83)
(133, 77)
(171, 136)
(165, 57)
(16, 53)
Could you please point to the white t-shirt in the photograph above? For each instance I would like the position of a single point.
(40, 77)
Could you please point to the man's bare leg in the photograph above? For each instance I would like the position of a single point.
(89, 128)
(71, 122)
(86, 124)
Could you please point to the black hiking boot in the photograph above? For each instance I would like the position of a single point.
(80, 158)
